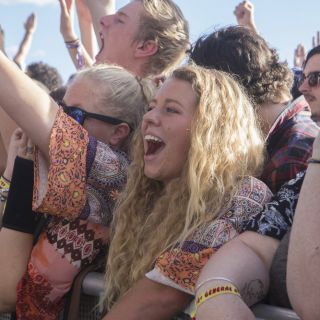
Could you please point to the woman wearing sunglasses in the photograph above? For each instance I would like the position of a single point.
(80, 167)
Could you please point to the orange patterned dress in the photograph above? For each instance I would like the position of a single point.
(78, 190)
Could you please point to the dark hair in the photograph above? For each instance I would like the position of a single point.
(312, 52)
(58, 93)
(46, 74)
(246, 55)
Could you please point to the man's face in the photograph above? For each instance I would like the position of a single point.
(118, 32)
(312, 92)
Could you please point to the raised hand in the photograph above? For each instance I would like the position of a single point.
(66, 20)
(31, 23)
(244, 13)
(299, 56)
(20, 146)
(316, 40)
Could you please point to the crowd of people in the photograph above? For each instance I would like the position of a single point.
(191, 171)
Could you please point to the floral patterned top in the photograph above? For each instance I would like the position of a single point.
(180, 267)
(78, 189)
(84, 176)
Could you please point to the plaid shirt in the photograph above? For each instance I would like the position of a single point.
(289, 144)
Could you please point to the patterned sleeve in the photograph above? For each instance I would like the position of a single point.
(181, 266)
(277, 215)
(84, 175)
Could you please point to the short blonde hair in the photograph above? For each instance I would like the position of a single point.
(226, 145)
(163, 22)
(118, 92)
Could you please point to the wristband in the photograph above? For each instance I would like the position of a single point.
(214, 292)
(76, 44)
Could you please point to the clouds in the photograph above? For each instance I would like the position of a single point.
(36, 2)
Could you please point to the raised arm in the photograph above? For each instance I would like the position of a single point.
(299, 56)
(77, 51)
(303, 267)
(243, 262)
(26, 103)
(98, 9)
(2, 41)
(244, 13)
(30, 26)
(86, 27)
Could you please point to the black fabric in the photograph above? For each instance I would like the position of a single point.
(278, 294)
(18, 214)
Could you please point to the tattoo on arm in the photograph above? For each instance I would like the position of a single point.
(253, 291)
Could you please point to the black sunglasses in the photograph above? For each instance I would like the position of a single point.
(80, 115)
(313, 79)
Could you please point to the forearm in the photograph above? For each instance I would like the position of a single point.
(79, 56)
(149, 300)
(24, 48)
(26, 103)
(98, 9)
(245, 262)
(303, 281)
(86, 27)
(15, 249)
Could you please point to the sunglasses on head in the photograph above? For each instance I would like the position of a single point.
(80, 115)
(313, 79)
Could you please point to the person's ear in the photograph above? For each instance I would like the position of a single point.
(146, 48)
(119, 134)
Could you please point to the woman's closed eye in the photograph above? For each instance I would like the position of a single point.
(171, 109)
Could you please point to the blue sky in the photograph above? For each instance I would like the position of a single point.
(284, 24)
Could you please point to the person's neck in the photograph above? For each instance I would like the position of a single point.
(268, 114)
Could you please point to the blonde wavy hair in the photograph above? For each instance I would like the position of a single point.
(163, 22)
(118, 93)
(226, 145)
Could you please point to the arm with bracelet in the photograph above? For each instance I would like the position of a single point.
(235, 278)
(18, 221)
(77, 51)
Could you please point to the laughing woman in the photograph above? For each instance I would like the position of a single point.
(189, 191)
(76, 182)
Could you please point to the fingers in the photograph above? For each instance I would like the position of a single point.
(29, 149)
(26, 147)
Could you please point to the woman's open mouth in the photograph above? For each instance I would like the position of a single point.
(154, 145)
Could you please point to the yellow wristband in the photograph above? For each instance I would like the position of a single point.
(4, 183)
(213, 292)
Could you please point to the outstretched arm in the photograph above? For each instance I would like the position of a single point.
(15, 245)
(2, 42)
(244, 13)
(86, 27)
(26, 103)
(299, 56)
(30, 26)
(149, 300)
(245, 262)
(303, 267)
(77, 51)
(98, 9)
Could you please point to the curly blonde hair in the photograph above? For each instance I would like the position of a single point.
(226, 145)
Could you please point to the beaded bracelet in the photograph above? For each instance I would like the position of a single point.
(313, 160)
(213, 292)
(213, 279)
(76, 44)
